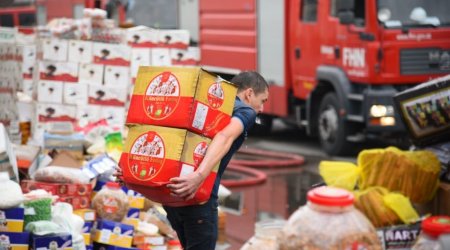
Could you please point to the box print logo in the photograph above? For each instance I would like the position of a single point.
(162, 96)
(147, 156)
(215, 95)
(199, 152)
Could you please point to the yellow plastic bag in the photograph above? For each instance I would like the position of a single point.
(339, 174)
(402, 207)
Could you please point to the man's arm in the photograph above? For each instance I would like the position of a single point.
(186, 186)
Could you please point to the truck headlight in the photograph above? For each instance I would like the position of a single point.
(381, 110)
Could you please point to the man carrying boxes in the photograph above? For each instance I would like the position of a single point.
(173, 172)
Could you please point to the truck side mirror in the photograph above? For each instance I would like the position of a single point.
(343, 5)
(346, 17)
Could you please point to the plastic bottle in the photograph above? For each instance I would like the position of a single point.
(266, 234)
(432, 228)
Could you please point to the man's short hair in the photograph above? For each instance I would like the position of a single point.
(250, 79)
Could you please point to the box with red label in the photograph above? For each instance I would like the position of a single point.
(160, 57)
(55, 117)
(50, 91)
(178, 39)
(111, 54)
(60, 189)
(191, 56)
(183, 97)
(142, 37)
(77, 202)
(80, 51)
(14, 241)
(58, 71)
(55, 49)
(75, 93)
(117, 76)
(91, 73)
(139, 57)
(113, 233)
(153, 155)
(108, 96)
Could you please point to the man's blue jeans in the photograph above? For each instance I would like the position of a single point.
(196, 226)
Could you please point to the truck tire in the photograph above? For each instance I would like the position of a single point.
(332, 129)
(265, 126)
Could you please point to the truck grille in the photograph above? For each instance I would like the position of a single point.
(424, 61)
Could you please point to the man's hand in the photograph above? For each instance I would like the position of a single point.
(186, 186)
(119, 175)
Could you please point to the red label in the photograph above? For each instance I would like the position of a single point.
(215, 95)
(147, 156)
(199, 152)
(110, 205)
(162, 96)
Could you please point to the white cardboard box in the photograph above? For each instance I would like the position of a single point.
(115, 116)
(58, 71)
(52, 112)
(139, 57)
(50, 91)
(142, 37)
(75, 93)
(80, 51)
(111, 54)
(28, 69)
(91, 74)
(88, 114)
(108, 96)
(173, 39)
(28, 87)
(191, 56)
(161, 57)
(117, 76)
(55, 49)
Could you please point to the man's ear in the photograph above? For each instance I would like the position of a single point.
(248, 93)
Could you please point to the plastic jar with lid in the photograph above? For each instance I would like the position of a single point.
(432, 228)
(329, 221)
(266, 234)
(111, 202)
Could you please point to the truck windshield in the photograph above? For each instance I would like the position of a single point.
(413, 13)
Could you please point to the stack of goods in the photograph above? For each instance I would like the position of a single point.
(171, 118)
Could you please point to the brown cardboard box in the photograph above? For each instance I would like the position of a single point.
(443, 199)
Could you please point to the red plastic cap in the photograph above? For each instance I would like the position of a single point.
(174, 243)
(436, 225)
(330, 196)
(111, 184)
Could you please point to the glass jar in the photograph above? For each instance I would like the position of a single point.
(111, 202)
(266, 234)
(329, 221)
(432, 228)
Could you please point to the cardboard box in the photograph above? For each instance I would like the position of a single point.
(191, 56)
(132, 217)
(91, 74)
(87, 114)
(11, 220)
(77, 202)
(60, 189)
(152, 155)
(58, 71)
(153, 240)
(117, 76)
(111, 54)
(86, 231)
(142, 37)
(99, 246)
(183, 97)
(75, 93)
(50, 112)
(14, 241)
(28, 87)
(50, 91)
(160, 57)
(55, 49)
(178, 39)
(87, 214)
(113, 233)
(398, 237)
(443, 199)
(62, 241)
(28, 70)
(114, 116)
(108, 96)
(26, 53)
(139, 57)
(80, 51)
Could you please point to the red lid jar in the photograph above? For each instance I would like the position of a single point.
(435, 226)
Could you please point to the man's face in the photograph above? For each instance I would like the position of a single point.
(256, 101)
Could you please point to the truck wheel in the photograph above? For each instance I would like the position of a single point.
(332, 128)
(265, 126)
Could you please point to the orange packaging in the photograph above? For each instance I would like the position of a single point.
(153, 155)
(182, 97)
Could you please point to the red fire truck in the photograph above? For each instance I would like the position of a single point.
(333, 65)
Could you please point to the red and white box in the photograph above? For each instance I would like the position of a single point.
(60, 189)
(55, 49)
(75, 93)
(191, 56)
(91, 74)
(28, 87)
(77, 202)
(51, 112)
(117, 76)
(139, 57)
(26, 53)
(142, 37)
(80, 51)
(109, 96)
(28, 69)
(111, 54)
(25, 35)
(114, 116)
(50, 91)
(58, 71)
(177, 39)
(161, 57)
(88, 114)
